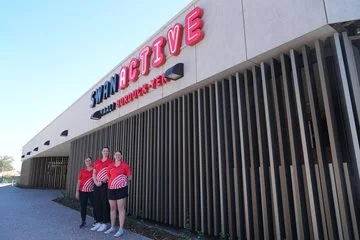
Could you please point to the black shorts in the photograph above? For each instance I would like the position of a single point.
(116, 194)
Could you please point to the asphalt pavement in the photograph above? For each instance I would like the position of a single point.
(30, 214)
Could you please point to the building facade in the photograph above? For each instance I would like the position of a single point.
(239, 120)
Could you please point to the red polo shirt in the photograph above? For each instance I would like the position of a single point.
(118, 175)
(101, 168)
(86, 180)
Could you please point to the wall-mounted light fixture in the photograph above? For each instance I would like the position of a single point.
(175, 72)
(96, 115)
(357, 31)
(47, 142)
(64, 133)
(36, 149)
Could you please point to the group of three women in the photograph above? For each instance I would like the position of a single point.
(105, 184)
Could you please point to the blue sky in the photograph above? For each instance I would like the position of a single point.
(51, 52)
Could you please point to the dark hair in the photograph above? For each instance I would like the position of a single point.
(118, 151)
(89, 158)
(106, 147)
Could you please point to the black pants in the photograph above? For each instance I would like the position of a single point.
(102, 203)
(84, 198)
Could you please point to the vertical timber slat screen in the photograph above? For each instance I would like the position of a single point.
(48, 172)
(267, 153)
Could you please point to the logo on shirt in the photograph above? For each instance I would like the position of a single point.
(88, 186)
(101, 176)
(119, 182)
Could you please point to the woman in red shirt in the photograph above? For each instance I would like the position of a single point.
(85, 188)
(101, 201)
(119, 173)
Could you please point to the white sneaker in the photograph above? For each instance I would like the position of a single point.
(110, 230)
(102, 227)
(96, 227)
(119, 233)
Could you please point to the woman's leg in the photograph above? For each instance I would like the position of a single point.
(91, 198)
(83, 205)
(105, 204)
(121, 208)
(97, 207)
(112, 212)
(98, 203)
(105, 209)
(112, 204)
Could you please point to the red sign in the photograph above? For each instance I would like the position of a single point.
(154, 55)
(144, 89)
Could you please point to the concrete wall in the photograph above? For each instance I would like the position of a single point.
(272, 23)
(237, 34)
(341, 11)
(25, 173)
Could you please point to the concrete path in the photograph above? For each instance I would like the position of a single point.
(27, 214)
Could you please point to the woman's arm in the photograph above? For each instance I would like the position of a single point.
(95, 180)
(129, 173)
(77, 190)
